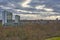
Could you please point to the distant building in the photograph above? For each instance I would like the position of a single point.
(7, 18)
(17, 18)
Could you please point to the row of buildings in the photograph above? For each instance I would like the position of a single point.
(8, 20)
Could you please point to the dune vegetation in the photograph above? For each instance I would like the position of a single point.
(30, 31)
(54, 38)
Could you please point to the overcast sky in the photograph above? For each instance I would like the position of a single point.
(32, 9)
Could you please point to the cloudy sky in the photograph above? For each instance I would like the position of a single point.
(32, 9)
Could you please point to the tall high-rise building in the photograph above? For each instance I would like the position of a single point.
(7, 17)
(17, 18)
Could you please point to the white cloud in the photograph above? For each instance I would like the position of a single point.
(36, 17)
(4, 7)
(18, 10)
(29, 16)
(0, 15)
(25, 3)
(52, 17)
(40, 7)
(48, 9)
(11, 5)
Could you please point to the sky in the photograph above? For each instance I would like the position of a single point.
(32, 9)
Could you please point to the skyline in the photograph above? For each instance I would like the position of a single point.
(32, 9)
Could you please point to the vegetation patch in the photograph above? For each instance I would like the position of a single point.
(54, 38)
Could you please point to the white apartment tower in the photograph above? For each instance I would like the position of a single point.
(17, 18)
(6, 17)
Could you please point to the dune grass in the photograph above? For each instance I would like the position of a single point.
(0, 24)
(30, 31)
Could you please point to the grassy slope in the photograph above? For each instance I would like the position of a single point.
(54, 38)
(30, 32)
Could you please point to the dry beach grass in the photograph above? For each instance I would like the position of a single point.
(30, 31)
